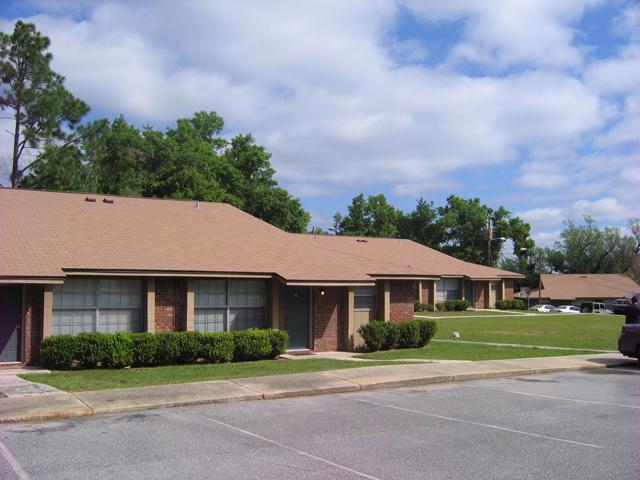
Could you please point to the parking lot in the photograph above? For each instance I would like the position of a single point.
(582, 425)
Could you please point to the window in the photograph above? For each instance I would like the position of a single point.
(224, 305)
(448, 289)
(365, 298)
(97, 305)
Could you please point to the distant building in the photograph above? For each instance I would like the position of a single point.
(72, 263)
(579, 287)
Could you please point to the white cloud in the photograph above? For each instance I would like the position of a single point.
(344, 110)
(543, 216)
(535, 32)
(546, 239)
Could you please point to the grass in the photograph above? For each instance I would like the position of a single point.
(592, 331)
(469, 313)
(465, 351)
(83, 380)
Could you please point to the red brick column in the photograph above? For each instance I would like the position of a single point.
(32, 323)
(171, 298)
(480, 294)
(401, 300)
(328, 318)
(426, 291)
(508, 289)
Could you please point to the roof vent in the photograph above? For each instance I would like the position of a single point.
(197, 203)
(107, 200)
(361, 240)
(89, 199)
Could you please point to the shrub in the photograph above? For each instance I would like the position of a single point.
(59, 352)
(429, 307)
(92, 349)
(279, 342)
(392, 335)
(374, 335)
(190, 344)
(252, 345)
(419, 306)
(514, 304)
(145, 348)
(409, 334)
(217, 347)
(168, 352)
(459, 305)
(517, 304)
(118, 350)
(427, 329)
(440, 307)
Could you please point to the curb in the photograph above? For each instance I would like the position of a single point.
(92, 403)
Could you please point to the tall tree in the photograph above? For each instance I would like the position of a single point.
(469, 227)
(370, 217)
(43, 110)
(421, 225)
(190, 161)
(588, 249)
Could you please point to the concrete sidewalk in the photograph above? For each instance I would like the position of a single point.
(57, 404)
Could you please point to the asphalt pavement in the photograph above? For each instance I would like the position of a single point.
(573, 425)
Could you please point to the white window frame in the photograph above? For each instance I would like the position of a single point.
(442, 294)
(369, 293)
(96, 307)
(227, 308)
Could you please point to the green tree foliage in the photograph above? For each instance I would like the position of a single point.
(43, 110)
(588, 249)
(421, 225)
(459, 228)
(370, 217)
(190, 161)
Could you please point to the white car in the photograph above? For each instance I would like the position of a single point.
(542, 308)
(566, 309)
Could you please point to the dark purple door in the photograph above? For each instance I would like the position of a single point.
(10, 321)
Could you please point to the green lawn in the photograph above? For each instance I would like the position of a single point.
(83, 380)
(573, 331)
(465, 351)
(470, 313)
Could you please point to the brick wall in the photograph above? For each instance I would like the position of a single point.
(32, 323)
(401, 300)
(328, 318)
(171, 298)
(480, 293)
(427, 286)
(508, 290)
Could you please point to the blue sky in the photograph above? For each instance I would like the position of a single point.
(533, 105)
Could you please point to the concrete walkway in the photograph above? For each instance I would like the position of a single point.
(520, 345)
(50, 404)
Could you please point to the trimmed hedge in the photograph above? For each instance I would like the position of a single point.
(379, 335)
(515, 304)
(453, 305)
(422, 307)
(118, 350)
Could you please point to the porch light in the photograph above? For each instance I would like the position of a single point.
(322, 292)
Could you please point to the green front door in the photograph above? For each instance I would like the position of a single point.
(296, 314)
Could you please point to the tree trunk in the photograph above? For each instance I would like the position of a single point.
(15, 172)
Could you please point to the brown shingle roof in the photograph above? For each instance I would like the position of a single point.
(575, 286)
(43, 234)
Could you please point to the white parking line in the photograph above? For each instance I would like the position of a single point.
(295, 450)
(11, 460)
(478, 424)
(553, 397)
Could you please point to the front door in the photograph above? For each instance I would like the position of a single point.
(493, 293)
(10, 321)
(468, 292)
(296, 314)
